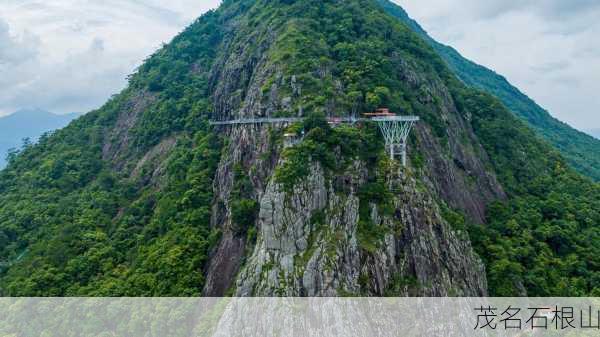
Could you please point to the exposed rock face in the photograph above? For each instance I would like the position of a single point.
(299, 255)
(248, 235)
(153, 162)
(118, 139)
(250, 147)
(456, 170)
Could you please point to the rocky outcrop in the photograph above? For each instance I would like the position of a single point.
(118, 140)
(328, 237)
(309, 244)
(251, 148)
(150, 168)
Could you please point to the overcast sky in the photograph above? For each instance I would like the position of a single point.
(72, 55)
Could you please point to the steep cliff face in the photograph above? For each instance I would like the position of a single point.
(312, 242)
(309, 240)
(253, 82)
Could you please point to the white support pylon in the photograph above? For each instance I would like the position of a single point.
(395, 130)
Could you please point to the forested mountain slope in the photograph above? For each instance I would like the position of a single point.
(581, 150)
(142, 197)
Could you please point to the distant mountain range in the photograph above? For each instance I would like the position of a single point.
(28, 123)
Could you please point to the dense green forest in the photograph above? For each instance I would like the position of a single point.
(579, 149)
(545, 240)
(73, 223)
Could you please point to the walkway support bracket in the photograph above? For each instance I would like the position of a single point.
(395, 131)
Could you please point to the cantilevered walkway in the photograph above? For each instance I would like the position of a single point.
(288, 120)
(395, 129)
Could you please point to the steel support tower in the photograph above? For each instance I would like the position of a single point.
(395, 130)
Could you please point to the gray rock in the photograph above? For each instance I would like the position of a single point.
(333, 263)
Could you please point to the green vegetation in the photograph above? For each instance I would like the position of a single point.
(71, 224)
(545, 241)
(244, 210)
(522, 162)
(375, 192)
(403, 286)
(333, 149)
(455, 219)
(76, 218)
(76, 238)
(321, 145)
(580, 150)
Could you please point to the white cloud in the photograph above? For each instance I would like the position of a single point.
(547, 48)
(72, 55)
(15, 50)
